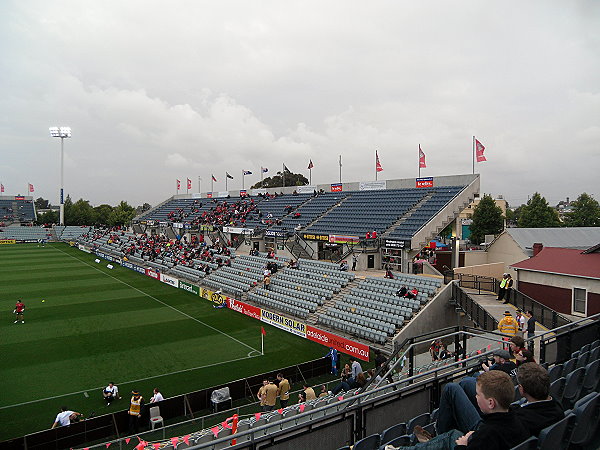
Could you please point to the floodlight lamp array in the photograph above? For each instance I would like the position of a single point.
(60, 132)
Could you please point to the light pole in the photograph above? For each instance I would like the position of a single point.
(62, 133)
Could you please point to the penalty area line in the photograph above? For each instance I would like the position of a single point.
(160, 301)
(130, 381)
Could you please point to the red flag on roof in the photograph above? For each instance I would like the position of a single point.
(378, 167)
(310, 164)
(213, 178)
(1, 188)
(189, 183)
(31, 187)
(479, 148)
(178, 184)
(422, 164)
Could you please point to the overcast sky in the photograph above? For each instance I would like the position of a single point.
(160, 90)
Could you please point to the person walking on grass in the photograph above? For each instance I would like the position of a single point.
(19, 309)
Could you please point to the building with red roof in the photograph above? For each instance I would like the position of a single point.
(564, 279)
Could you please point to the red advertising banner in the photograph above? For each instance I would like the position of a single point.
(336, 187)
(153, 274)
(361, 351)
(424, 182)
(243, 308)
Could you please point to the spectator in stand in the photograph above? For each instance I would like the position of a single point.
(355, 368)
(283, 390)
(267, 283)
(501, 362)
(345, 380)
(516, 344)
(270, 396)
(354, 261)
(402, 292)
(412, 293)
(324, 392)
(521, 322)
(460, 424)
(389, 274)
(434, 349)
(261, 394)
(344, 266)
(309, 392)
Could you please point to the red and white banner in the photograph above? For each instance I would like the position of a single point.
(153, 274)
(189, 184)
(422, 164)
(479, 148)
(31, 187)
(243, 308)
(361, 351)
(178, 184)
(1, 188)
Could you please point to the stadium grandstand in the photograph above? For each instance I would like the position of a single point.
(281, 256)
(16, 210)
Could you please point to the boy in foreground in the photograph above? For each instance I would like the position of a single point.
(500, 428)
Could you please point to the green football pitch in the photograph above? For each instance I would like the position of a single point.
(86, 325)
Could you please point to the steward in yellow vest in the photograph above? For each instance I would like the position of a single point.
(135, 411)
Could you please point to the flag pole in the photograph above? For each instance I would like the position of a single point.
(310, 176)
(375, 165)
(419, 160)
(225, 181)
(340, 169)
(283, 174)
(187, 186)
(212, 182)
(200, 186)
(243, 179)
(262, 343)
(262, 183)
(473, 154)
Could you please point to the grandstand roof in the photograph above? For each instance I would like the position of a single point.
(564, 261)
(576, 237)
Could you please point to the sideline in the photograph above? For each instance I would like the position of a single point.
(128, 382)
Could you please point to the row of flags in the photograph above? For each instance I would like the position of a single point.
(478, 156)
(30, 188)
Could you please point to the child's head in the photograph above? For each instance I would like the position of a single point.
(495, 391)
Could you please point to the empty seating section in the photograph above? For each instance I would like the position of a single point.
(269, 210)
(20, 233)
(365, 211)
(308, 212)
(429, 208)
(374, 303)
(16, 211)
(70, 232)
(300, 291)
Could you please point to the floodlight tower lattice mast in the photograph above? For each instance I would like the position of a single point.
(62, 133)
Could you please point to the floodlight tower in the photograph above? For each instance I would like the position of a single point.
(62, 133)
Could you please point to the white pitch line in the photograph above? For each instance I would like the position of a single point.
(161, 302)
(129, 382)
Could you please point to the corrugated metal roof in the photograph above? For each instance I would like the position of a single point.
(565, 261)
(580, 238)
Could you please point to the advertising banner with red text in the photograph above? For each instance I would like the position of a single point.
(153, 274)
(243, 308)
(341, 344)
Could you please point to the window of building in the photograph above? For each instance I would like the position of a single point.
(579, 301)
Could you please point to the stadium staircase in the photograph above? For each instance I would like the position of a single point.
(409, 213)
(330, 303)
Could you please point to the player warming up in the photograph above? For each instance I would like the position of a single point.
(19, 309)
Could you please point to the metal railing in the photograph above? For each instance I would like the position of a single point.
(478, 282)
(544, 315)
(474, 310)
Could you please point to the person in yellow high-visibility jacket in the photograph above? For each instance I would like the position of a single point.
(508, 325)
(135, 411)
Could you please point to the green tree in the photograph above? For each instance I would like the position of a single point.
(586, 212)
(42, 203)
(47, 217)
(538, 214)
(487, 219)
(121, 214)
(68, 206)
(81, 213)
(291, 179)
(101, 214)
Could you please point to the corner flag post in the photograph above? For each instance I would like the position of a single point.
(262, 340)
